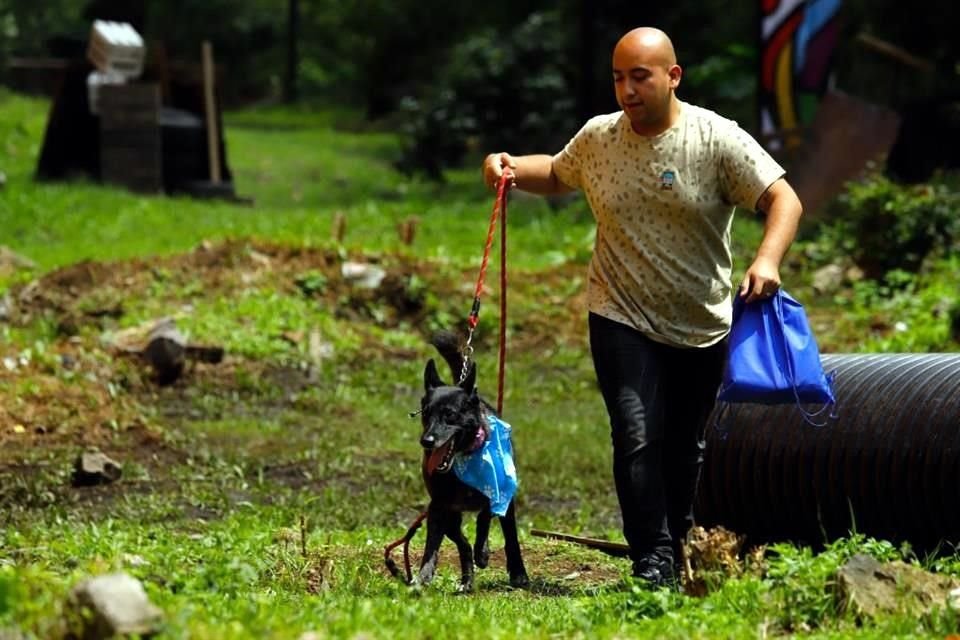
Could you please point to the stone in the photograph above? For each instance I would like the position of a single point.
(93, 468)
(828, 279)
(12, 262)
(111, 605)
(869, 588)
(362, 275)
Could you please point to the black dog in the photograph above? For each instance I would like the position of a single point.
(454, 419)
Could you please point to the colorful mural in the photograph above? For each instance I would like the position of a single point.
(797, 40)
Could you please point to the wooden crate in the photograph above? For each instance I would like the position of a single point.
(130, 149)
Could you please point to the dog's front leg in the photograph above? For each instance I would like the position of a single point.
(518, 573)
(481, 550)
(455, 533)
(436, 526)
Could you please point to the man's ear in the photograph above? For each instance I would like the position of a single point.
(431, 379)
(676, 73)
(470, 382)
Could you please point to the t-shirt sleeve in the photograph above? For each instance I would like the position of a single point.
(746, 169)
(568, 163)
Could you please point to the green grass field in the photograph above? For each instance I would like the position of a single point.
(258, 494)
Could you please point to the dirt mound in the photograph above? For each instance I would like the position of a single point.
(76, 390)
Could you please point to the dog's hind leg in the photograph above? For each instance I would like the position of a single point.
(437, 522)
(481, 550)
(455, 533)
(518, 573)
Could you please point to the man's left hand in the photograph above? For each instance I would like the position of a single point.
(760, 281)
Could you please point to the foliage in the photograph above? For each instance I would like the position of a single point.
(724, 81)
(801, 582)
(908, 312)
(496, 92)
(886, 226)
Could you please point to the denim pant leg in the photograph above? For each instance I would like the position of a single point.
(692, 379)
(659, 399)
(629, 369)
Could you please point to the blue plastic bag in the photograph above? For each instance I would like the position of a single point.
(773, 357)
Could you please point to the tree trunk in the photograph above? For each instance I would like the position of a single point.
(588, 26)
(290, 91)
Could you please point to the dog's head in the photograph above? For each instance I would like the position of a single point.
(452, 418)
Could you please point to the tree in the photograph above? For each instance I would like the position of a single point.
(290, 92)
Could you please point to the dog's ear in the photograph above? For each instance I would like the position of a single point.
(431, 379)
(470, 382)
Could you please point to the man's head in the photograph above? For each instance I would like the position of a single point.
(645, 75)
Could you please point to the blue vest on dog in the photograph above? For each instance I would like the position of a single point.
(490, 469)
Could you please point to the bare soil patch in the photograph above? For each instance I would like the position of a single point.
(77, 392)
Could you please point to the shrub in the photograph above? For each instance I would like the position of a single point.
(887, 226)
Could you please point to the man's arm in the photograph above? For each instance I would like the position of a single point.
(532, 173)
(783, 210)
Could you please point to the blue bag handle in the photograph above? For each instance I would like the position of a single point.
(808, 416)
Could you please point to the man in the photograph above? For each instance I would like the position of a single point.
(662, 178)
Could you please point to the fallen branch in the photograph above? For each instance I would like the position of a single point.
(616, 549)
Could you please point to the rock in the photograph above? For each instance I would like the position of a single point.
(92, 468)
(953, 599)
(365, 276)
(111, 605)
(868, 588)
(11, 262)
(854, 274)
(828, 279)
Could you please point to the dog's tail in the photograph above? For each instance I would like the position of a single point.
(448, 345)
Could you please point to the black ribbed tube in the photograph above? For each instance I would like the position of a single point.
(888, 464)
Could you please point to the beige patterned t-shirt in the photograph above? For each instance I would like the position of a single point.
(664, 206)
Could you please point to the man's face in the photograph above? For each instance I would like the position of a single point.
(643, 83)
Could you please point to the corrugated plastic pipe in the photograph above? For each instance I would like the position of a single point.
(887, 466)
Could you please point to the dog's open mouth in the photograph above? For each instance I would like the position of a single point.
(440, 458)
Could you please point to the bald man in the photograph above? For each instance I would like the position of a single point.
(662, 178)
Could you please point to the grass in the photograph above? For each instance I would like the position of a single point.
(258, 494)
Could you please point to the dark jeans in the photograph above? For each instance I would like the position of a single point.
(659, 398)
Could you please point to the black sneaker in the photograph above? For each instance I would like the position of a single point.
(655, 571)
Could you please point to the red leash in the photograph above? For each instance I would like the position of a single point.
(499, 211)
(405, 540)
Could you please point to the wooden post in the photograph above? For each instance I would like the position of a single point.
(339, 227)
(213, 134)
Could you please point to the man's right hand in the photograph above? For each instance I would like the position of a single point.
(494, 166)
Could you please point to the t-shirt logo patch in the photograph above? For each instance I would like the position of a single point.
(666, 179)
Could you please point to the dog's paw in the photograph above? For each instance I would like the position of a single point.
(519, 581)
(422, 579)
(465, 586)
